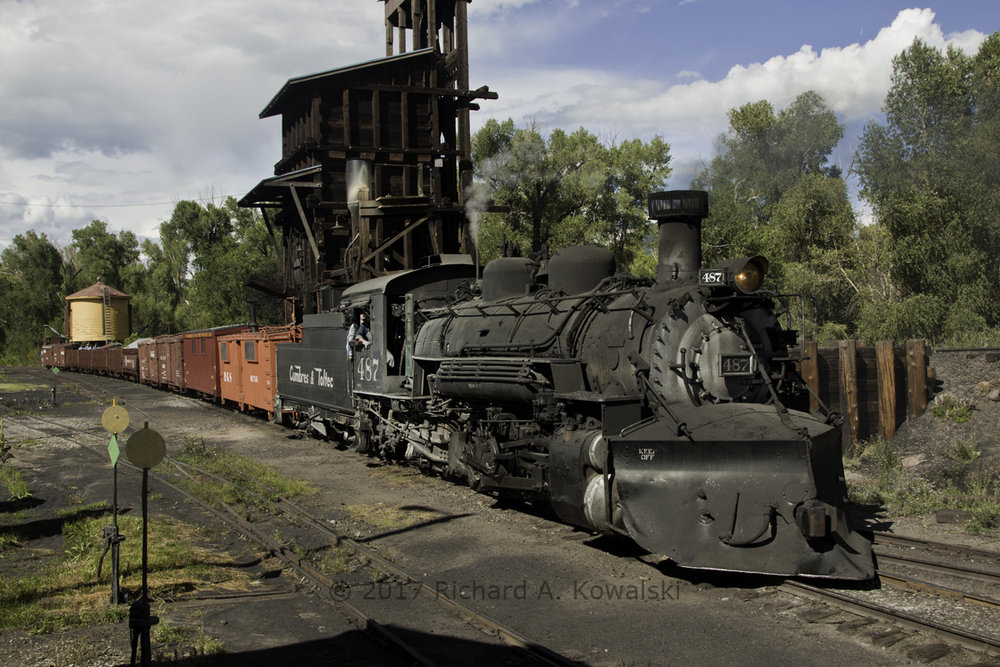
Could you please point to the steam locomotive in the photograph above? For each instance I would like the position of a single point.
(655, 409)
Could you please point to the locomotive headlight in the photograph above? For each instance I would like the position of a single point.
(750, 277)
(745, 274)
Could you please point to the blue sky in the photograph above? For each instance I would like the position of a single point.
(116, 109)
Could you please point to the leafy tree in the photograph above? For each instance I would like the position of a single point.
(565, 189)
(101, 255)
(931, 173)
(31, 281)
(228, 245)
(773, 192)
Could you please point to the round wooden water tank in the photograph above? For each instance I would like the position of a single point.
(98, 314)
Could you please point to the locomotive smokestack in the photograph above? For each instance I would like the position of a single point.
(678, 213)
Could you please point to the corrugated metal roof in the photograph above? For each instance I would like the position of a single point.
(97, 291)
(271, 108)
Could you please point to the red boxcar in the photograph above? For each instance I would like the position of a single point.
(72, 359)
(54, 354)
(247, 362)
(170, 360)
(149, 368)
(130, 363)
(201, 359)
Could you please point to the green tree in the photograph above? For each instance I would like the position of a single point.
(773, 192)
(228, 245)
(31, 283)
(931, 173)
(565, 189)
(101, 255)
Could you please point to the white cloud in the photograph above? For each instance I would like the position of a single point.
(110, 102)
(137, 102)
(853, 80)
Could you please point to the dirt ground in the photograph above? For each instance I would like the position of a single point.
(472, 546)
(970, 379)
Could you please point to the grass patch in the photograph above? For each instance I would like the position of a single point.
(200, 643)
(339, 559)
(956, 410)
(962, 452)
(13, 481)
(15, 387)
(65, 591)
(389, 518)
(248, 483)
(884, 481)
(400, 476)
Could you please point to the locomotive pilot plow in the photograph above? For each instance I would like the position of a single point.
(723, 489)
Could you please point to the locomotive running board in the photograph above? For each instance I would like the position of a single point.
(739, 490)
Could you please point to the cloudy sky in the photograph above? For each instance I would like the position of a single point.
(117, 109)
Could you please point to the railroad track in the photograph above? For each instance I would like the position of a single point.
(908, 553)
(936, 559)
(896, 554)
(334, 590)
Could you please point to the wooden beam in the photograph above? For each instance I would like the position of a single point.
(810, 371)
(916, 378)
(346, 108)
(431, 19)
(483, 92)
(416, 21)
(392, 6)
(316, 119)
(404, 113)
(409, 229)
(885, 359)
(849, 389)
(376, 124)
(305, 222)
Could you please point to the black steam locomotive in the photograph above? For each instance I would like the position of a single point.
(650, 408)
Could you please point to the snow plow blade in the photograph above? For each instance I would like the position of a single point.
(737, 489)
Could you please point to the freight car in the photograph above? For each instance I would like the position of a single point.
(112, 360)
(247, 362)
(657, 409)
(201, 359)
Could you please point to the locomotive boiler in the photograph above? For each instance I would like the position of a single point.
(649, 408)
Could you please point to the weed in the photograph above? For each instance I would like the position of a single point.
(18, 387)
(337, 560)
(388, 518)
(957, 410)
(13, 481)
(167, 633)
(6, 540)
(907, 493)
(64, 593)
(880, 455)
(254, 480)
(962, 452)
(202, 644)
(4, 447)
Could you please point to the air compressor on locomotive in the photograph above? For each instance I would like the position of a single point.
(650, 408)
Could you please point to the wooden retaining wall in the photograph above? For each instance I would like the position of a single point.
(876, 388)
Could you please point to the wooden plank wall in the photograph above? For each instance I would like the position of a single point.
(876, 388)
